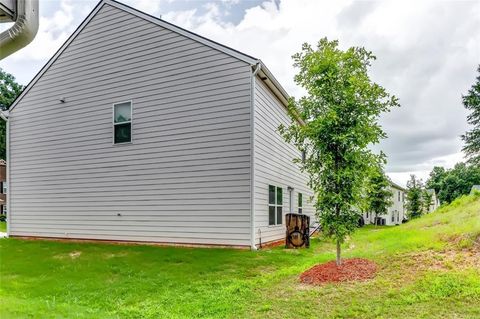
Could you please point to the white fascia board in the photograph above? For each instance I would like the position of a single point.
(274, 85)
(169, 26)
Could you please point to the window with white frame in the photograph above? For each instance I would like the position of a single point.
(4, 187)
(122, 123)
(300, 203)
(275, 205)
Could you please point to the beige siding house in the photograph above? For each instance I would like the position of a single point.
(435, 201)
(138, 130)
(396, 212)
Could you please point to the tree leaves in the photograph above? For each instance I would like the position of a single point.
(334, 124)
(455, 182)
(471, 102)
(9, 90)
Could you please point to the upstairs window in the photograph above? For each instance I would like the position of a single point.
(275, 205)
(300, 203)
(122, 123)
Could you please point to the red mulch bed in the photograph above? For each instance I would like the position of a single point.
(353, 269)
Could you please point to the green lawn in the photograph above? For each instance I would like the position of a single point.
(427, 270)
(3, 227)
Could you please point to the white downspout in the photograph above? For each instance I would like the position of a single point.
(252, 155)
(23, 31)
(4, 115)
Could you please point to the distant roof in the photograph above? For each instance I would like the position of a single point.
(397, 186)
(264, 73)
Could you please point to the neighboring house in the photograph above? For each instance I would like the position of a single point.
(3, 187)
(139, 130)
(435, 201)
(475, 188)
(395, 213)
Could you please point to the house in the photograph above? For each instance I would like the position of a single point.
(435, 201)
(138, 130)
(395, 213)
(475, 188)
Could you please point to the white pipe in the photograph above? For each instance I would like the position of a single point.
(252, 155)
(5, 115)
(24, 29)
(7, 170)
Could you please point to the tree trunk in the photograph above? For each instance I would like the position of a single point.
(339, 260)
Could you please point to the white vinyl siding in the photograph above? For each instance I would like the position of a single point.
(186, 177)
(273, 164)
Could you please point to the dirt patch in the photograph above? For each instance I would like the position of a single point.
(75, 254)
(445, 260)
(71, 255)
(115, 255)
(469, 241)
(353, 269)
(435, 223)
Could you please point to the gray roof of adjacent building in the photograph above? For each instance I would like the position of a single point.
(397, 186)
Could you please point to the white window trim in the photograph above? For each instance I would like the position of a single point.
(301, 202)
(275, 205)
(131, 122)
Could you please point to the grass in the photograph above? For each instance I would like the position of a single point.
(426, 270)
(3, 227)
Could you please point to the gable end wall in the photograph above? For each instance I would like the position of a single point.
(186, 176)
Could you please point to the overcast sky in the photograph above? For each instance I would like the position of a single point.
(427, 54)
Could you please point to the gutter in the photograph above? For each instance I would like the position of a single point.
(4, 115)
(272, 83)
(24, 29)
(258, 67)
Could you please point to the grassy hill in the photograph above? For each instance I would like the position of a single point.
(428, 268)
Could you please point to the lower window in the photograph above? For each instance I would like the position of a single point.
(300, 203)
(275, 205)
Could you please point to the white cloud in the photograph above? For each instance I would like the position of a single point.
(427, 55)
(52, 33)
(148, 6)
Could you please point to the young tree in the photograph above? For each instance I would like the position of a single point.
(9, 90)
(427, 201)
(334, 124)
(414, 204)
(435, 179)
(471, 102)
(379, 193)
